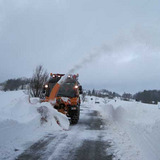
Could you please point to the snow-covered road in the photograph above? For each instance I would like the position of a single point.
(82, 141)
(108, 129)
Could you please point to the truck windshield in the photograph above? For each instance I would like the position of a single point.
(66, 89)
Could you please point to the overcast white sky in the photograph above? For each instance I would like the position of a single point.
(123, 36)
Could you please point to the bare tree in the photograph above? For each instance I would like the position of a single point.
(40, 76)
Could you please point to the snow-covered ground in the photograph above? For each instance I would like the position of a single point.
(132, 127)
(23, 123)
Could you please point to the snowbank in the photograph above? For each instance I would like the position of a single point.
(23, 123)
(134, 128)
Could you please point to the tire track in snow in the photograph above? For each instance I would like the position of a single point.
(82, 141)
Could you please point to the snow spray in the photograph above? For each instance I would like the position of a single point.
(91, 57)
(114, 48)
(96, 54)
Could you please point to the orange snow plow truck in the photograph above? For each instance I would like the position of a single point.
(64, 94)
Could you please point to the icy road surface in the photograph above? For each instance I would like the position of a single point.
(82, 141)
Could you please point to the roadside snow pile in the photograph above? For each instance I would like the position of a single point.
(134, 128)
(23, 123)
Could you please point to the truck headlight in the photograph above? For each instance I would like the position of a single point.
(46, 86)
(75, 86)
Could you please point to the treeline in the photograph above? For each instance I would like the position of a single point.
(146, 96)
(102, 93)
(34, 84)
(150, 96)
(15, 84)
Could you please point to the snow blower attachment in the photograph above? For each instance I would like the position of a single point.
(64, 94)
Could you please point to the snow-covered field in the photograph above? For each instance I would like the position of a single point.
(22, 123)
(133, 128)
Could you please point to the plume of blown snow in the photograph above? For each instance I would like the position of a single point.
(127, 47)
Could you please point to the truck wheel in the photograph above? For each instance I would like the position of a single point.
(74, 119)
